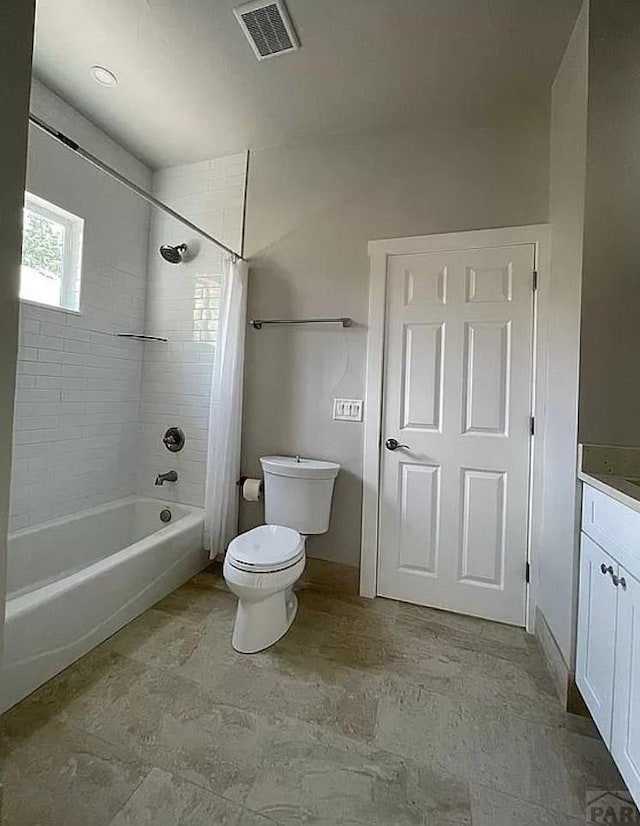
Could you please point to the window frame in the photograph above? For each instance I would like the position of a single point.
(71, 279)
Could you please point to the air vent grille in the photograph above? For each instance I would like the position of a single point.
(268, 28)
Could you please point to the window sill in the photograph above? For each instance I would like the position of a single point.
(52, 307)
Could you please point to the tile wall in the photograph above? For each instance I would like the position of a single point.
(78, 385)
(182, 305)
(91, 408)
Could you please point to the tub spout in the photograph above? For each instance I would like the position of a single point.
(171, 476)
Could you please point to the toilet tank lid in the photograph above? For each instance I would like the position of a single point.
(299, 468)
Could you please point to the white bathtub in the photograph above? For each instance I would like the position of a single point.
(73, 582)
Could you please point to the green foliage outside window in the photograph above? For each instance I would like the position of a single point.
(42, 244)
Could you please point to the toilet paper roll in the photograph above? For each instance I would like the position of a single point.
(252, 490)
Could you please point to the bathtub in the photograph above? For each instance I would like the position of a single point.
(73, 582)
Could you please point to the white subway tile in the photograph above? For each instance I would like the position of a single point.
(87, 399)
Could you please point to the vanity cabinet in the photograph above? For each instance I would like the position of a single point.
(608, 644)
(595, 658)
(625, 736)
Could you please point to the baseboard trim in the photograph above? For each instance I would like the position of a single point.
(562, 677)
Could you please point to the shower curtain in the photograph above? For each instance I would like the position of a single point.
(225, 412)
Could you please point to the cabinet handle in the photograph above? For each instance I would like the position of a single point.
(605, 570)
(616, 580)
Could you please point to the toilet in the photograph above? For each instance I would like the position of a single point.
(262, 565)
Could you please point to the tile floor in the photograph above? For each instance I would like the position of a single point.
(367, 712)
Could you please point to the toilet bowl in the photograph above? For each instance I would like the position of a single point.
(262, 565)
(261, 568)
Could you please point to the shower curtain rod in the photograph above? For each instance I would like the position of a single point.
(75, 147)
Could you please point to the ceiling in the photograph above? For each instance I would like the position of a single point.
(190, 87)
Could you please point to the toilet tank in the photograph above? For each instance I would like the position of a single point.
(298, 492)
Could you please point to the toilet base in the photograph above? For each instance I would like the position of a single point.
(259, 625)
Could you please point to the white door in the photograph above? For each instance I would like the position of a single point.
(457, 397)
(625, 740)
(595, 653)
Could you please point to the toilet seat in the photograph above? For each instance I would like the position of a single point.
(266, 549)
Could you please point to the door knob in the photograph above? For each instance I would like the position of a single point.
(394, 444)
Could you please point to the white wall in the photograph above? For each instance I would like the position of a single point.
(609, 386)
(77, 404)
(182, 305)
(312, 207)
(554, 528)
(16, 37)
(593, 393)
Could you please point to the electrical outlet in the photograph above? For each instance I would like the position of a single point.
(347, 410)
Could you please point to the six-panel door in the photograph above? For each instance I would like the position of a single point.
(457, 393)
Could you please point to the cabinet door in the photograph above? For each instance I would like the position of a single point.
(596, 632)
(625, 741)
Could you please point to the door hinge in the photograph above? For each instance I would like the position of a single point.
(534, 280)
(532, 425)
(527, 573)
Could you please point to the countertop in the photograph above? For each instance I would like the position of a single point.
(625, 491)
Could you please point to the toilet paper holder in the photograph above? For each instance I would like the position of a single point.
(243, 479)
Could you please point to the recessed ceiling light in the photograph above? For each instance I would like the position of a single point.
(103, 76)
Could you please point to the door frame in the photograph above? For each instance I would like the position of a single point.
(379, 250)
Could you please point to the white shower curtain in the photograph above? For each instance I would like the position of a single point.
(225, 413)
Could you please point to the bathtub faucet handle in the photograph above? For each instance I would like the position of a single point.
(171, 476)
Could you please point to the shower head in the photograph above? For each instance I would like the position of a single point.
(174, 255)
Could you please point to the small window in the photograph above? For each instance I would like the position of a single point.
(51, 254)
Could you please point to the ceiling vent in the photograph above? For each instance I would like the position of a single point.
(268, 27)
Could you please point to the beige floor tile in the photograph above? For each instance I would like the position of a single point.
(162, 799)
(373, 617)
(313, 652)
(214, 653)
(312, 776)
(422, 725)
(331, 576)
(156, 638)
(492, 808)
(491, 684)
(78, 695)
(539, 764)
(336, 639)
(422, 627)
(250, 818)
(506, 635)
(57, 776)
(589, 766)
(336, 614)
(366, 712)
(203, 596)
(178, 725)
(425, 660)
(347, 710)
(291, 678)
(331, 663)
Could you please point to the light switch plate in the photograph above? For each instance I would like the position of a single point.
(347, 410)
